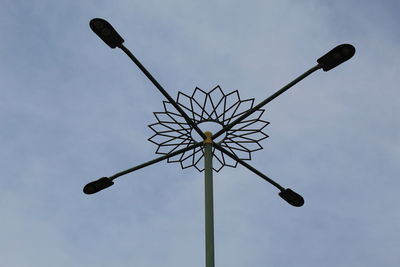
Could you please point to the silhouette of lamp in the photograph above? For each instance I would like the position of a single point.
(179, 136)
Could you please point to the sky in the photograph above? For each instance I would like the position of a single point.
(73, 110)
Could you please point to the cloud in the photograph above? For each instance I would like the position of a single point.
(72, 110)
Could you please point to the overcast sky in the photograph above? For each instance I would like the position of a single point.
(73, 110)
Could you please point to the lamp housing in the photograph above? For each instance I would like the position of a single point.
(336, 56)
(106, 32)
(292, 197)
(98, 185)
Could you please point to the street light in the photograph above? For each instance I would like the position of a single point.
(336, 56)
(292, 197)
(241, 129)
(98, 185)
(106, 32)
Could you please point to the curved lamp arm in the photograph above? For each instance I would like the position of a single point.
(110, 36)
(287, 194)
(104, 182)
(330, 60)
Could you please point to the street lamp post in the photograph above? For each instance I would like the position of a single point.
(209, 200)
(241, 129)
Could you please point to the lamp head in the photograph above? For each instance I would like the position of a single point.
(98, 185)
(106, 32)
(336, 56)
(292, 197)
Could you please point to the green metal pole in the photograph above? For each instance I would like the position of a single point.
(209, 207)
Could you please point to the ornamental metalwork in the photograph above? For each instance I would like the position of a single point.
(172, 132)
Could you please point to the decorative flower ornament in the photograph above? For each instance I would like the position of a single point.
(212, 109)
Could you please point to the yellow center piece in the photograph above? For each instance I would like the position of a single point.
(208, 139)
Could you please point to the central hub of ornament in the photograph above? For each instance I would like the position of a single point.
(208, 126)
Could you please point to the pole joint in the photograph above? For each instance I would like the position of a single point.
(208, 139)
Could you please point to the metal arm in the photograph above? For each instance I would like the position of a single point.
(183, 150)
(111, 37)
(104, 182)
(287, 194)
(162, 90)
(233, 156)
(269, 99)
